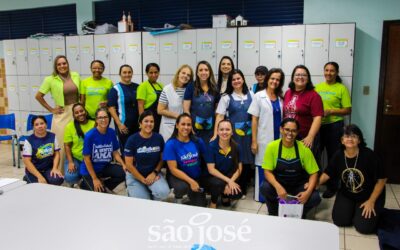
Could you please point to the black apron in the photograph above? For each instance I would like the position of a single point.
(153, 109)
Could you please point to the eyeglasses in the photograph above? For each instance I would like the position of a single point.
(102, 117)
(301, 75)
(352, 136)
(291, 131)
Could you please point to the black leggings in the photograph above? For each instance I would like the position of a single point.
(347, 212)
(112, 174)
(216, 188)
(182, 188)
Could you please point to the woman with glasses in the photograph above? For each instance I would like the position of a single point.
(200, 100)
(234, 105)
(73, 142)
(123, 105)
(94, 89)
(361, 196)
(226, 66)
(100, 147)
(290, 169)
(302, 102)
(260, 73)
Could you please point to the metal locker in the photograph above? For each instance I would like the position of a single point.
(12, 92)
(24, 93)
(35, 82)
(23, 119)
(33, 56)
(58, 46)
(248, 50)
(46, 56)
(86, 54)
(21, 56)
(9, 57)
(187, 45)
(341, 47)
(102, 51)
(165, 79)
(271, 47)
(207, 47)
(226, 44)
(151, 50)
(317, 48)
(117, 52)
(168, 53)
(72, 52)
(292, 47)
(133, 51)
(115, 79)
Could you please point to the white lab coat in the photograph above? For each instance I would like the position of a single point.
(175, 104)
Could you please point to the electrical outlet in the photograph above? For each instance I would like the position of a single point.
(366, 90)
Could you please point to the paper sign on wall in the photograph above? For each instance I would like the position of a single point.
(101, 48)
(317, 43)
(151, 46)
(116, 48)
(270, 44)
(187, 45)
(168, 46)
(249, 44)
(341, 42)
(293, 43)
(226, 44)
(132, 47)
(206, 45)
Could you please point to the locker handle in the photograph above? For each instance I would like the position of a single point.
(351, 52)
(122, 55)
(302, 53)
(77, 57)
(279, 54)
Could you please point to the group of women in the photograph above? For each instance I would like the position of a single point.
(210, 134)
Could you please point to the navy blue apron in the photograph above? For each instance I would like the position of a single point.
(153, 109)
(203, 111)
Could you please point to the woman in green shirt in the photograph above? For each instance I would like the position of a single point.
(73, 142)
(94, 89)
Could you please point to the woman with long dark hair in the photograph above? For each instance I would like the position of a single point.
(225, 67)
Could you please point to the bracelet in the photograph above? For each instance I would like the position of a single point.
(156, 172)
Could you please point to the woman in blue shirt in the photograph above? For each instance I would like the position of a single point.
(143, 157)
(224, 163)
(183, 153)
(99, 148)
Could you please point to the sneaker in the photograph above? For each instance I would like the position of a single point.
(329, 193)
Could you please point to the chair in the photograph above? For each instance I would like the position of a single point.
(29, 127)
(7, 121)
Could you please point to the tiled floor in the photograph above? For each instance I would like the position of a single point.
(350, 239)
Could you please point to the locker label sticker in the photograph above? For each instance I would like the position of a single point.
(72, 49)
(206, 45)
(11, 88)
(101, 49)
(21, 52)
(270, 44)
(33, 51)
(317, 43)
(341, 42)
(86, 49)
(9, 52)
(151, 46)
(45, 51)
(168, 46)
(59, 51)
(23, 87)
(249, 44)
(186, 45)
(226, 44)
(116, 49)
(293, 43)
(132, 47)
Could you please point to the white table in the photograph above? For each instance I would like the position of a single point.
(38, 216)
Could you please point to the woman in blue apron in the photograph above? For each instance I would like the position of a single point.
(200, 100)
(290, 169)
(234, 104)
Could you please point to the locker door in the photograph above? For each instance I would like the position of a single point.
(271, 47)
(207, 47)
(341, 47)
(133, 51)
(12, 92)
(293, 47)
(22, 122)
(168, 53)
(317, 47)
(24, 93)
(58, 45)
(102, 51)
(86, 54)
(9, 57)
(117, 52)
(72, 50)
(249, 46)
(227, 44)
(35, 82)
(21, 56)
(187, 45)
(46, 59)
(151, 49)
(33, 56)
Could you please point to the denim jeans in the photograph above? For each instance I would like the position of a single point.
(159, 190)
(72, 178)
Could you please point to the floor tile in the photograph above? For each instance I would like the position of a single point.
(244, 210)
(352, 231)
(389, 192)
(341, 241)
(360, 243)
(248, 204)
(392, 204)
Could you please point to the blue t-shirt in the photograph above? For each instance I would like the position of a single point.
(41, 150)
(100, 148)
(123, 98)
(186, 154)
(224, 163)
(146, 151)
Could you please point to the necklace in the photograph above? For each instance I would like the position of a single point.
(352, 177)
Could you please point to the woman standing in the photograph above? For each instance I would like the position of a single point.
(94, 89)
(64, 88)
(143, 158)
(224, 165)
(260, 74)
(337, 103)
(149, 92)
(73, 142)
(266, 111)
(302, 103)
(41, 155)
(200, 100)
(361, 196)
(183, 153)
(171, 100)
(225, 67)
(99, 148)
(234, 104)
(123, 105)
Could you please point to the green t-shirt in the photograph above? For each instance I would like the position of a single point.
(334, 96)
(95, 91)
(146, 92)
(70, 135)
(306, 156)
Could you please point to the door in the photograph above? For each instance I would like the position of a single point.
(21, 56)
(207, 48)
(86, 54)
(271, 47)
(248, 51)
(317, 48)
(341, 46)
(226, 44)
(9, 57)
(151, 50)
(102, 51)
(292, 47)
(33, 56)
(133, 50)
(187, 45)
(117, 52)
(72, 50)
(387, 136)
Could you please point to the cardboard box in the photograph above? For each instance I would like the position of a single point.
(220, 21)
